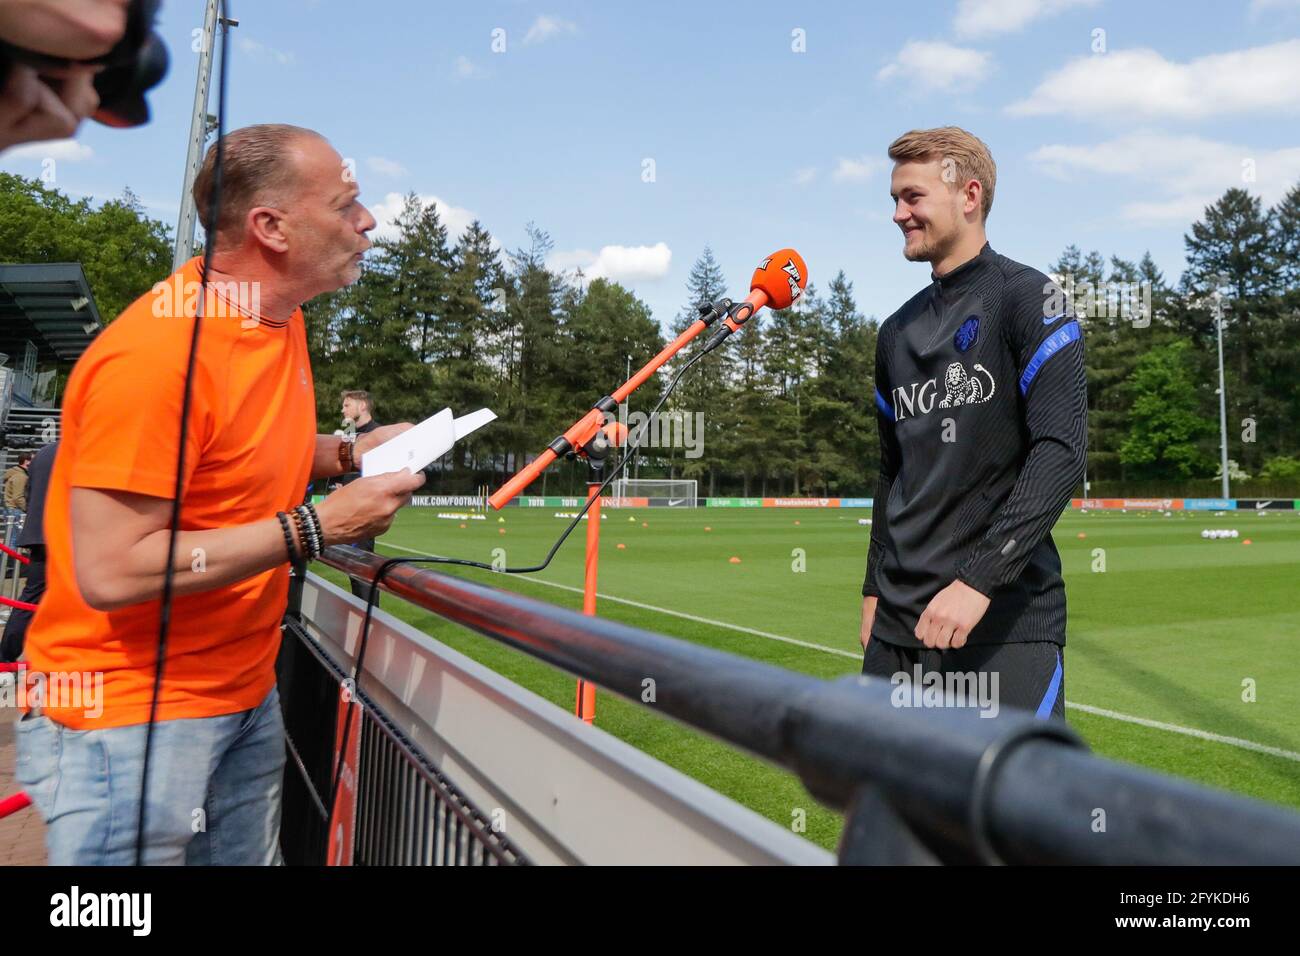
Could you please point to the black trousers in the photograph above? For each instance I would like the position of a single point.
(1029, 676)
(11, 645)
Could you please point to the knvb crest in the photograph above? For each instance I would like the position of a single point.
(967, 335)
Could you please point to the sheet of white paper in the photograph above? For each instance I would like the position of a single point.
(423, 444)
(473, 422)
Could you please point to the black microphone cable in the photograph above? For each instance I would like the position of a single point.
(164, 617)
(390, 563)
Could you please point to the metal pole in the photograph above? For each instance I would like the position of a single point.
(1223, 405)
(198, 136)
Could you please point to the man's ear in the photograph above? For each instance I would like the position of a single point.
(972, 197)
(266, 225)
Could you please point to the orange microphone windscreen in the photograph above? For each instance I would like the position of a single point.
(782, 276)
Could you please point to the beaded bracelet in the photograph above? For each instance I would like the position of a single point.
(305, 533)
(315, 522)
(288, 537)
(315, 519)
(309, 528)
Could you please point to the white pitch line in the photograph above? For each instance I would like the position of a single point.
(663, 610)
(857, 656)
(1188, 731)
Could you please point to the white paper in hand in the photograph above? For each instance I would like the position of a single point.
(425, 443)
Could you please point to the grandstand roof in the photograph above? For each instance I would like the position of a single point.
(50, 305)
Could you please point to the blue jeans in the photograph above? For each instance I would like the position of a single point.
(215, 785)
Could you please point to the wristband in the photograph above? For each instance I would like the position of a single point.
(307, 533)
(347, 460)
(316, 525)
(288, 537)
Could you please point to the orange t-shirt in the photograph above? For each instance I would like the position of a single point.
(249, 450)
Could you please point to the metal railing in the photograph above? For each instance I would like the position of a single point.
(918, 785)
(399, 809)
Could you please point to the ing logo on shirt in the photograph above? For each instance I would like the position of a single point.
(966, 389)
(960, 388)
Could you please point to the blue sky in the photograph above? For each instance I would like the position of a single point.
(1112, 140)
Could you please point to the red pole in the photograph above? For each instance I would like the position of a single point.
(585, 700)
(13, 804)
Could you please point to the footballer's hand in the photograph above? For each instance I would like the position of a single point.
(868, 618)
(950, 617)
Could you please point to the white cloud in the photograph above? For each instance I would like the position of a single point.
(467, 69)
(386, 212)
(1143, 85)
(857, 170)
(62, 150)
(802, 177)
(385, 167)
(260, 51)
(935, 65)
(545, 27)
(618, 263)
(1186, 173)
(980, 18)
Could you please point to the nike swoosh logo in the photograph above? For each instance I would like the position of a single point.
(1050, 320)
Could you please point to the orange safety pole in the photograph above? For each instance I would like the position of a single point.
(585, 700)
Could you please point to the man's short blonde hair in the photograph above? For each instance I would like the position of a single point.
(257, 169)
(969, 157)
(357, 395)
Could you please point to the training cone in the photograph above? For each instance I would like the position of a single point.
(462, 524)
(1245, 541)
(734, 560)
(622, 547)
(1082, 535)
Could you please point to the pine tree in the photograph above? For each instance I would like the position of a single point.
(1285, 240)
(1231, 257)
(704, 388)
(841, 425)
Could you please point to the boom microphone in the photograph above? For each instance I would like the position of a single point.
(778, 281)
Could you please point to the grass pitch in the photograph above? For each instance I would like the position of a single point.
(1197, 636)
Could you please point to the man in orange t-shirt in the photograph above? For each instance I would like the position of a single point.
(290, 227)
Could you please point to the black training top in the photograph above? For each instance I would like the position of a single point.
(982, 406)
(33, 533)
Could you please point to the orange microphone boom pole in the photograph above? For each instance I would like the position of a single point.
(584, 429)
(778, 281)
